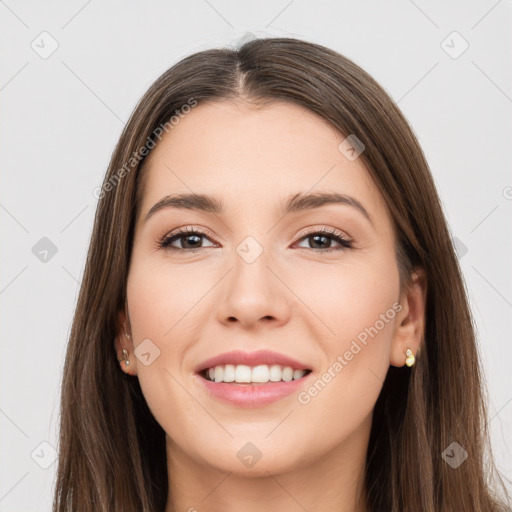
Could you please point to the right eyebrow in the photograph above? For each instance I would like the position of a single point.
(200, 202)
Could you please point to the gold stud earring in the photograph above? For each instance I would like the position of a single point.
(409, 357)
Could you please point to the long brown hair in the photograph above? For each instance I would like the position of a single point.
(112, 455)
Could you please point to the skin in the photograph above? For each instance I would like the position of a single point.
(292, 299)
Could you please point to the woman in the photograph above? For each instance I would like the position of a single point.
(272, 315)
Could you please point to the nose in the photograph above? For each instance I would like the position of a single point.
(253, 294)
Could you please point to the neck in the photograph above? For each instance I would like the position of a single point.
(334, 481)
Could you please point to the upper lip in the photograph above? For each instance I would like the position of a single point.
(251, 359)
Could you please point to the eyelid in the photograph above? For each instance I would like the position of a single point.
(315, 228)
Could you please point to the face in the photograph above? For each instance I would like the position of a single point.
(317, 283)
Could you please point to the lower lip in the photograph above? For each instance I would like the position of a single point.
(252, 395)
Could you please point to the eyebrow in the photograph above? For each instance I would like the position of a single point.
(295, 203)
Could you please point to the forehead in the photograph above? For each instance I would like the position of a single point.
(258, 157)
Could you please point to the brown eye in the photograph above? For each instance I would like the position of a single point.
(190, 240)
(324, 238)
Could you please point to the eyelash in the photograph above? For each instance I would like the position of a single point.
(165, 242)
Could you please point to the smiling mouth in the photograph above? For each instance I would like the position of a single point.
(253, 375)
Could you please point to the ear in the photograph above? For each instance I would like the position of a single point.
(411, 319)
(123, 340)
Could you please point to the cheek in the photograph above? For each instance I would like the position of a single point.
(347, 297)
(161, 309)
(163, 300)
(361, 308)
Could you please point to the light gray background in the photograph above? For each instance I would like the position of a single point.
(62, 115)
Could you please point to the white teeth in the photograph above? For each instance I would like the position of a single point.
(287, 373)
(297, 374)
(219, 373)
(229, 373)
(275, 373)
(259, 374)
(242, 373)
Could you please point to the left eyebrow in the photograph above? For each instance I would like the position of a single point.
(295, 203)
(300, 202)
